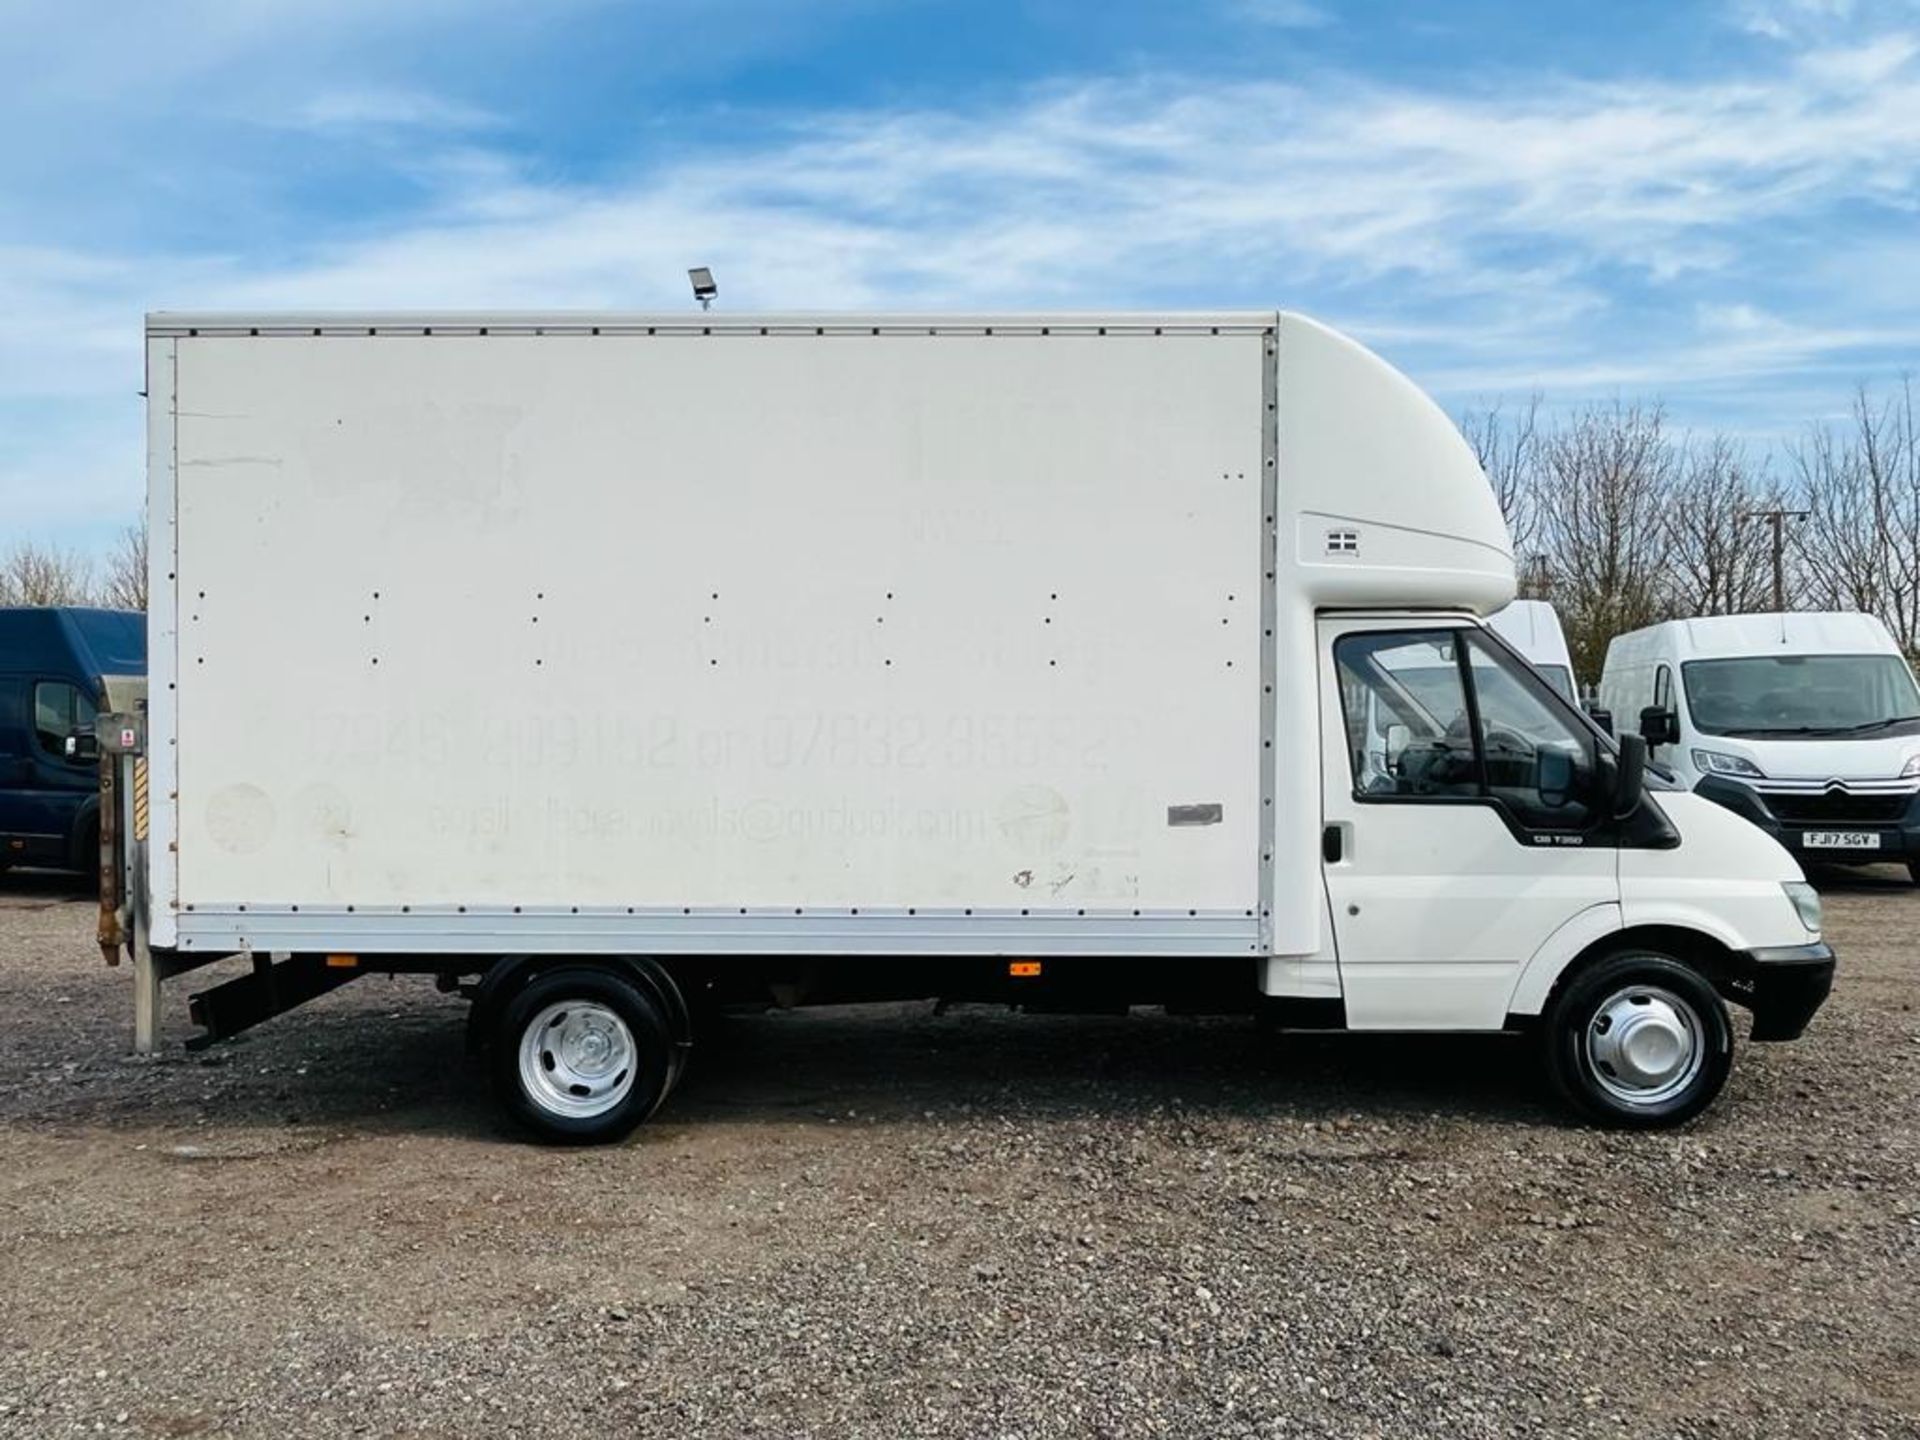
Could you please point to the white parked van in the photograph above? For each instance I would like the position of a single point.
(612, 667)
(1807, 724)
(1532, 627)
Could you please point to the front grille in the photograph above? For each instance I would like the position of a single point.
(1837, 807)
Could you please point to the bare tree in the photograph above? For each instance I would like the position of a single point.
(1508, 447)
(34, 574)
(124, 586)
(1606, 479)
(1619, 524)
(1719, 548)
(1860, 485)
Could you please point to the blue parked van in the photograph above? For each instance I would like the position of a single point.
(52, 661)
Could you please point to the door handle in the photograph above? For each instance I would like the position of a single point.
(1333, 844)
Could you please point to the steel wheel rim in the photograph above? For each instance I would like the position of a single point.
(1645, 1045)
(577, 1059)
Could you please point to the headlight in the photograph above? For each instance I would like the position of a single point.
(1911, 768)
(1714, 763)
(1806, 900)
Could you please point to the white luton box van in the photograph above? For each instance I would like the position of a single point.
(613, 667)
(1806, 724)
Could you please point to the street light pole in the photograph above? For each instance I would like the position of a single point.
(1778, 518)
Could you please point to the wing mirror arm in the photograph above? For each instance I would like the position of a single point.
(1629, 776)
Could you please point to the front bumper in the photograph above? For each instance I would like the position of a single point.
(1897, 836)
(1783, 985)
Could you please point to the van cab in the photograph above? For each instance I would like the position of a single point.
(53, 664)
(1808, 725)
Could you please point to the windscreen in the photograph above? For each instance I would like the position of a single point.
(1436, 688)
(1561, 678)
(116, 639)
(1828, 695)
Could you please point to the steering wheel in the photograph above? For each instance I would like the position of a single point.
(1511, 741)
(1434, 766)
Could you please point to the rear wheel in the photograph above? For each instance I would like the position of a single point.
(1639, 1040)
(581, 1056)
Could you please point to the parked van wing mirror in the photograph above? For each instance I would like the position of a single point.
(1630, 776)
(1659, 726)
(83, 745)
(1601, 716)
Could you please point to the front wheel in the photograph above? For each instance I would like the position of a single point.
(581, 1056)
(1639, 1041)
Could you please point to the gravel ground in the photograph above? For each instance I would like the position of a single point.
(881, 1222)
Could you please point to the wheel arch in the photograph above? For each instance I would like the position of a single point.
(85, 827)
(511, 973)
(1703, 951)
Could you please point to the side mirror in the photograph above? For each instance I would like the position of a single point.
(1397, 737)
(1601, 716)
(83, 746)
(1659, 726)
(1553, 777)
(1630, 776)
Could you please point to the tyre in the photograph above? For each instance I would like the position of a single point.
(1913, 871)
(1638, 1041)
(581, 1056)
(86, 850)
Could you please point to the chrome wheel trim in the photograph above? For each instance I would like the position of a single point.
(577, 1059)
(1644, 1045)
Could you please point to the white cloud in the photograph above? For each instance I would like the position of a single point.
(1740, 318)
(381, 109)
(1789, 19)
(1283, 14)
(1480, 234)
(1873, 63)
(1722, 359)
(1108, 190)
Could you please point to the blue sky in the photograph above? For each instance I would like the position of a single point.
(1714, 203)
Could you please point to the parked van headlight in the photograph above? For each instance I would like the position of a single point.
(1806, 900)
(1715, 763)
(1911, 768)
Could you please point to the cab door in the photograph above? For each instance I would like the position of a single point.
(42, 792)
(1464, 822)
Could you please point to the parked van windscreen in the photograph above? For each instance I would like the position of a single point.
(1803, 695)
(1561, 679)
(117, 639)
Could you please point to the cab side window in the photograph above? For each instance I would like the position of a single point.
(1540, 765)
(1439, 714)
(58, 710)
(1409, 733)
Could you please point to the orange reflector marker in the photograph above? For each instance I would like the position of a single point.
(1023, 969)
(342, 962)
